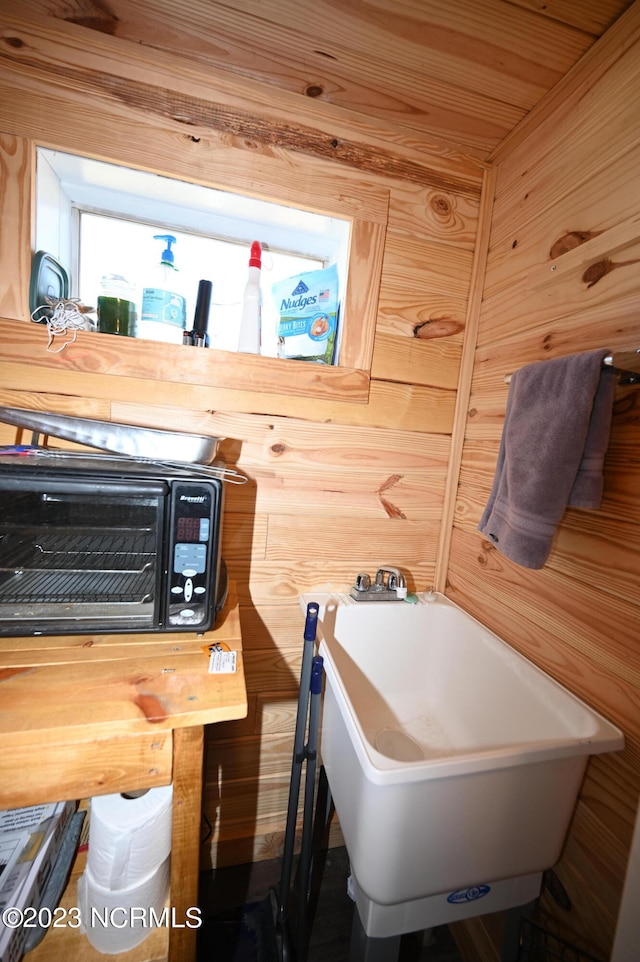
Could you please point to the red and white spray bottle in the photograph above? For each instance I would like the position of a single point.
(249, 341)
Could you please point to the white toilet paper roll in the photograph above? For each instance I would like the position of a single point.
(118, 921)
(129, 837)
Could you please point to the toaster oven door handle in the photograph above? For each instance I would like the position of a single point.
(223, 587)
(60, 489)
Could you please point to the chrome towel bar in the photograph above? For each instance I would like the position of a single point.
(620, 362)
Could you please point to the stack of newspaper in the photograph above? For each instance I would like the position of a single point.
(30, 840)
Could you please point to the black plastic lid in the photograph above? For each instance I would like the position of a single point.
(48, 279)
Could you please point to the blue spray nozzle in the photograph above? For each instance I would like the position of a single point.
(311, 621)
(168, 256)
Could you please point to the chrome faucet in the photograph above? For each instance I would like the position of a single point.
(380, 589)
(395, 578)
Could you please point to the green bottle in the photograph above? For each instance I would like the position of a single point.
(117, 311)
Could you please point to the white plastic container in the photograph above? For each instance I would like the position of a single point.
(164, 307)
(251, 321)
(454, 762)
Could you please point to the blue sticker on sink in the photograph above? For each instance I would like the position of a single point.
(468, 895)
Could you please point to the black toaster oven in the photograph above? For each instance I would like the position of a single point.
(100, 544)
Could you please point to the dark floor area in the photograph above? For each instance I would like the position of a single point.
(239, 915)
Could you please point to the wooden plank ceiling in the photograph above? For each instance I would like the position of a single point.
(457, 72)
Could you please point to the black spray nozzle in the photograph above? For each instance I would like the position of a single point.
(311, 621)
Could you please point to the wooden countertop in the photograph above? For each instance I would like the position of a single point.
(60, 695)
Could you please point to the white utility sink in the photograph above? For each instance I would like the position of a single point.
(454, 762)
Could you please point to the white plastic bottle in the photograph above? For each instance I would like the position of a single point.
(164, 308)
(250, 324)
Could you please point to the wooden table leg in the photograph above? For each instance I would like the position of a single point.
(188, 747)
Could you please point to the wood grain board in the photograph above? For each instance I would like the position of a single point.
(562, 277)
(69, 720)
(487, 152)
(85, 689)
(462, 72)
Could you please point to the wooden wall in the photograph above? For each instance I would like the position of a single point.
(562, 276)
(335, 486)
(339, 486)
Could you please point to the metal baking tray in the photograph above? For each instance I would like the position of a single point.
(117, 438)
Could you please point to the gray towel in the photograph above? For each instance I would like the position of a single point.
(554, 440)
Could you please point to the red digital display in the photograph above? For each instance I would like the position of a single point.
(188, 530)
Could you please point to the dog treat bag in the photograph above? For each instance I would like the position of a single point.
(308, 309)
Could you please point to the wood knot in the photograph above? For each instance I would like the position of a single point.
(440, 205)
(151, 707)
(14, 42)
(314, 90)
(438, 327)
(278, 448)
(486, 549)
(597, 271)
(392, 510)
(104, 23)
(571, 240)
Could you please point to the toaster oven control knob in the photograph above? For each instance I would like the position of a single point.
(188, 590)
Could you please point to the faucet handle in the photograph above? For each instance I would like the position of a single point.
(395, 578)
(363, 581)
